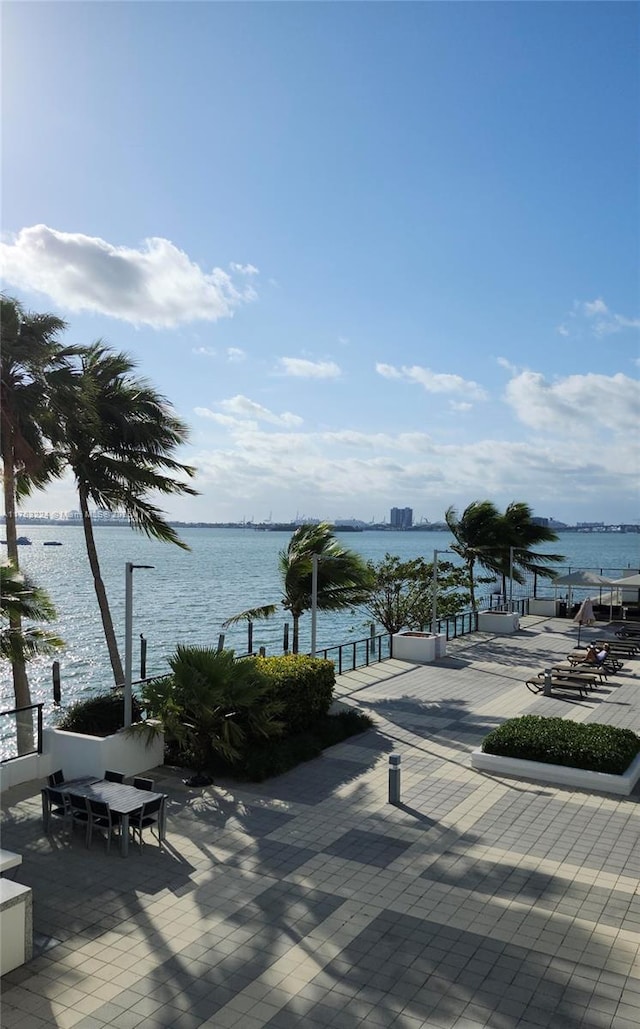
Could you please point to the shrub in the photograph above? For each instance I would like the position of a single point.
(101, 715)
(278, 756)
(559, 741)
(302, 685)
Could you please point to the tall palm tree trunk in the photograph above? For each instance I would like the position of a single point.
(22, 693)
(101, 593)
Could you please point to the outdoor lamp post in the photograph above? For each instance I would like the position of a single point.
(128, 637)
(434, 589)
(314, 601)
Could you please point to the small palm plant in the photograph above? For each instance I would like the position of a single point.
(212, 704)
(21, 598)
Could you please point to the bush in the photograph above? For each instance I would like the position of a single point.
(559, 741)
(101, 715)
(278, 756)
(304, 687)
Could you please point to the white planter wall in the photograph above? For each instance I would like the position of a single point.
(77, 754)
(420, 648)
(543, 606)
(579, 778)
(501, 622)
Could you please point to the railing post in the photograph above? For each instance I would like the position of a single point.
(39, 728)
(285, 640)
(143, 656)
(250, 637)
(220, 642)
(263, 652)
(372, 637)
(394, 778)
(55, 668)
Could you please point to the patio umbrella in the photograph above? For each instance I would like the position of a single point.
(584, 615)
(582, 578)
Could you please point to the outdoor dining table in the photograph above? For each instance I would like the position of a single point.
(122, 799)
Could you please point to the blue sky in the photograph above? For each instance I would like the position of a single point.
(375, 254)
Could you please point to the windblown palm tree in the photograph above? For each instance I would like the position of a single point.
(21, 598)
(523, 534)
(343, 578)
(118, 436)
(31, 359)
(478, 538)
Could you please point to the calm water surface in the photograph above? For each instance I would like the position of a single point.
(187, 595)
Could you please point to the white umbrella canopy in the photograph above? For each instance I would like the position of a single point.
(632, 581)
(582, 578)
(584, 615)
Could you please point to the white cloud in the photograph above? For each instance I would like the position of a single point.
(580, 405)
(242, 408)
(300, 368)
(204, 351)
(594, 316)
(156, 284)
(433, 382)
(235, 354)
(244, 269)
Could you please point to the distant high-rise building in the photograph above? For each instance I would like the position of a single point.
(401, 517)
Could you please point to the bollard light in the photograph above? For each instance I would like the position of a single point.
(394, 778)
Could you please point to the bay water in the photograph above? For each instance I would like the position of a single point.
(186, 596)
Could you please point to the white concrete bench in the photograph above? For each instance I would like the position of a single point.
(16, 914)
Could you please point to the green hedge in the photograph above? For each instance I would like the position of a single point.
(303, 684)
(559, 741)
(101, 715)
(278, 756)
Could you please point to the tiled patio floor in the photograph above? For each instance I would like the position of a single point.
(310, 901)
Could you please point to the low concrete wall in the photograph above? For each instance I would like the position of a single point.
(418, 647)
(502, 622)
(598, 782)
(16, 912)
(77, 754)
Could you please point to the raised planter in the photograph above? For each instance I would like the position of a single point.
(420, 648)
(501, 622)
(599, 782)
(547, 607)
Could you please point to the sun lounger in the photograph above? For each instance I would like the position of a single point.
(578, 682)
(573, 664)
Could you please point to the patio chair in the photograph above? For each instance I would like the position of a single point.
(579, 682)
(141, 783)
(79, 812)
(59, 806)
(101, 817)
(114, 776)
(56, 778)
(146, 818)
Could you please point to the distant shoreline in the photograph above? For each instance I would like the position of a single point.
(292, 526)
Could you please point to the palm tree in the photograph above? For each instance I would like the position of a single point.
(521, 534)
(343, 577)
(118, 436)
(30, 360)
(478, 537)
(21, 598)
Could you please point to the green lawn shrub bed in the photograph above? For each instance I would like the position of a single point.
(559, 741)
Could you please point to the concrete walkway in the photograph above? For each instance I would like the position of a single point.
(309, 901)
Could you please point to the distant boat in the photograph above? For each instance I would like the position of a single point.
(52, 543)
(23, 541)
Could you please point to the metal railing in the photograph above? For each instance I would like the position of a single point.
(22, 728)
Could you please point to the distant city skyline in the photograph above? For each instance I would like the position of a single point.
(372, 253)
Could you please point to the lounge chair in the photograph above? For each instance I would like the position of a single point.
(574, 665)
(579, 682)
